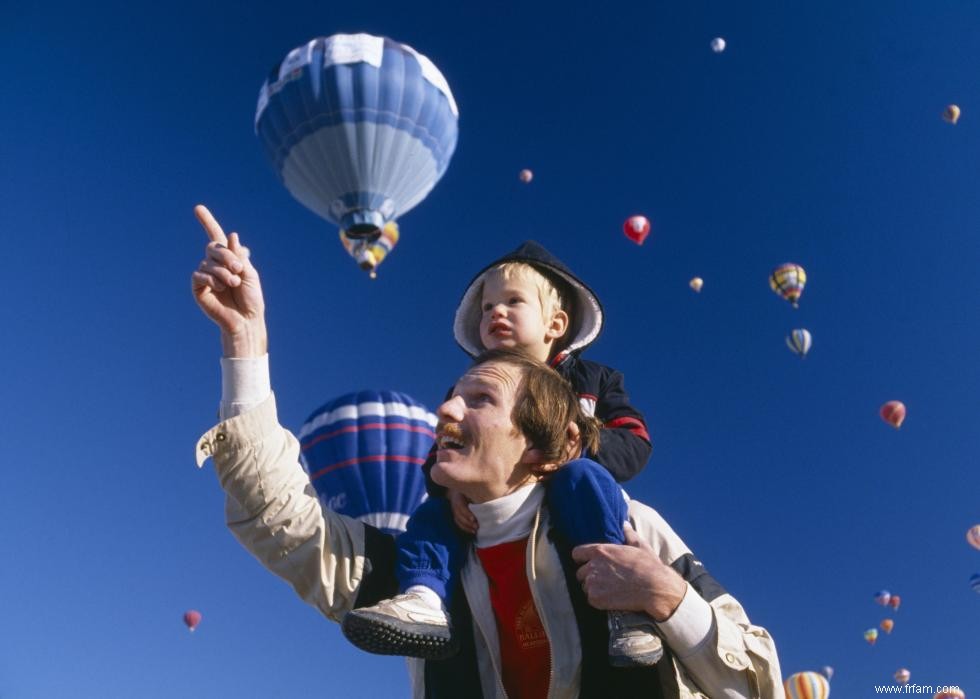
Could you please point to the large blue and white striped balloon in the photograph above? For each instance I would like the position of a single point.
(359, 128)
(364, 453)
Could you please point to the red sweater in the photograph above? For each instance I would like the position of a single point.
(524, 648)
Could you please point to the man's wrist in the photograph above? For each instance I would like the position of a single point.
(250, 342)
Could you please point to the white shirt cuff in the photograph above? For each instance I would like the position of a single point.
(244, 384)
(689, 626)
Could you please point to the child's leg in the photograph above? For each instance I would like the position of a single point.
(429, 551)
(586, 504)
(416, 622)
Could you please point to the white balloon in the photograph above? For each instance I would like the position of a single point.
(717, 44)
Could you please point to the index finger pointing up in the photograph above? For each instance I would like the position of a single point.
(210, 224)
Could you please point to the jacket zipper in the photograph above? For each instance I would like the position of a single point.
(532, 583)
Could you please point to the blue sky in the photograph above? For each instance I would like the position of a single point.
(815, 138)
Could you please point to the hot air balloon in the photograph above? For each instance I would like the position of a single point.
(358, 128)
(882, 597)
(887, 625)
(871, 635)
(895, 602)
(364, 452)
(800, 341)
(369, 253)
(893, 412)
(807, 685)
(973, 536)
(696, 283)
(902, 676)
(975, 583)
(637, 228)
(828, 672)
(192, 618)
(526, 176)
(717, 44)
(788, 280)
(950, 693)
(951, 113)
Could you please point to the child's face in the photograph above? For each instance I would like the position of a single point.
(512, 317)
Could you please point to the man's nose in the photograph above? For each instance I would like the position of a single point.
(451, 409)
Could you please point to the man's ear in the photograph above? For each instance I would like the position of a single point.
(574, 435)
(558, 325)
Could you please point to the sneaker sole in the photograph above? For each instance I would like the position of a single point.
(647, 660)
(382, 635)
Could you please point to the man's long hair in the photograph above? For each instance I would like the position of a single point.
(544, 405)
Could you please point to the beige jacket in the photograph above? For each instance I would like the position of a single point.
(273, 510)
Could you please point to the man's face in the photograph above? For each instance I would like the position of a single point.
(512, 316)
(480, 451)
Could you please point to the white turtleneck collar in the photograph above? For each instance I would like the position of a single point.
(507, 518)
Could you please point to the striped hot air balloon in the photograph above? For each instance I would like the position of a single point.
(950, 693)
(871, 635)
(359, 128)
(364, 452)
(807, 685)
(975, 583)
(800, 341)
(902, 676)
(788, 280)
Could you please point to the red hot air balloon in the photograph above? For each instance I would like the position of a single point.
(894, 601)
(893, 412)
(192, 618)
(637, 228)
(887, 625)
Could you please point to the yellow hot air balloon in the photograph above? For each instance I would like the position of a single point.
(370, 253)
(807, 685)
(788, 280)
(871, 635)
(951, 113)
(696, 283)
(887, 625)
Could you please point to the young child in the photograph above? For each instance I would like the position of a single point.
(529, 300)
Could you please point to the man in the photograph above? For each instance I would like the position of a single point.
(529, 628)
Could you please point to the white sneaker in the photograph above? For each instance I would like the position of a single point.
(403, 625)
(633, 640)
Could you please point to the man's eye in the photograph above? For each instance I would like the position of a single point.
(487, 307)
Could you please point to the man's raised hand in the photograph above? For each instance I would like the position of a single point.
(226, 286)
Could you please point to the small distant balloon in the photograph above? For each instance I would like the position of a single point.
(975, 583)
(893, 412)
(637, 228)
(882, 597)
(788, 280)
(807, 685)
(895, 602)
(887, 625)
(717, 44)
(950, 693)
(973, 536)
(951, 113)
(192, 618)
(800, 341)
(871, 635)
(828, 672)
(902, 676)
(697, 283)
(526, 176)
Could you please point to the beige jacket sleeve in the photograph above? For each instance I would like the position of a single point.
(272, 509)
(735, 658)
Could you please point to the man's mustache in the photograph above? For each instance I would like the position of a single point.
(451, 430)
